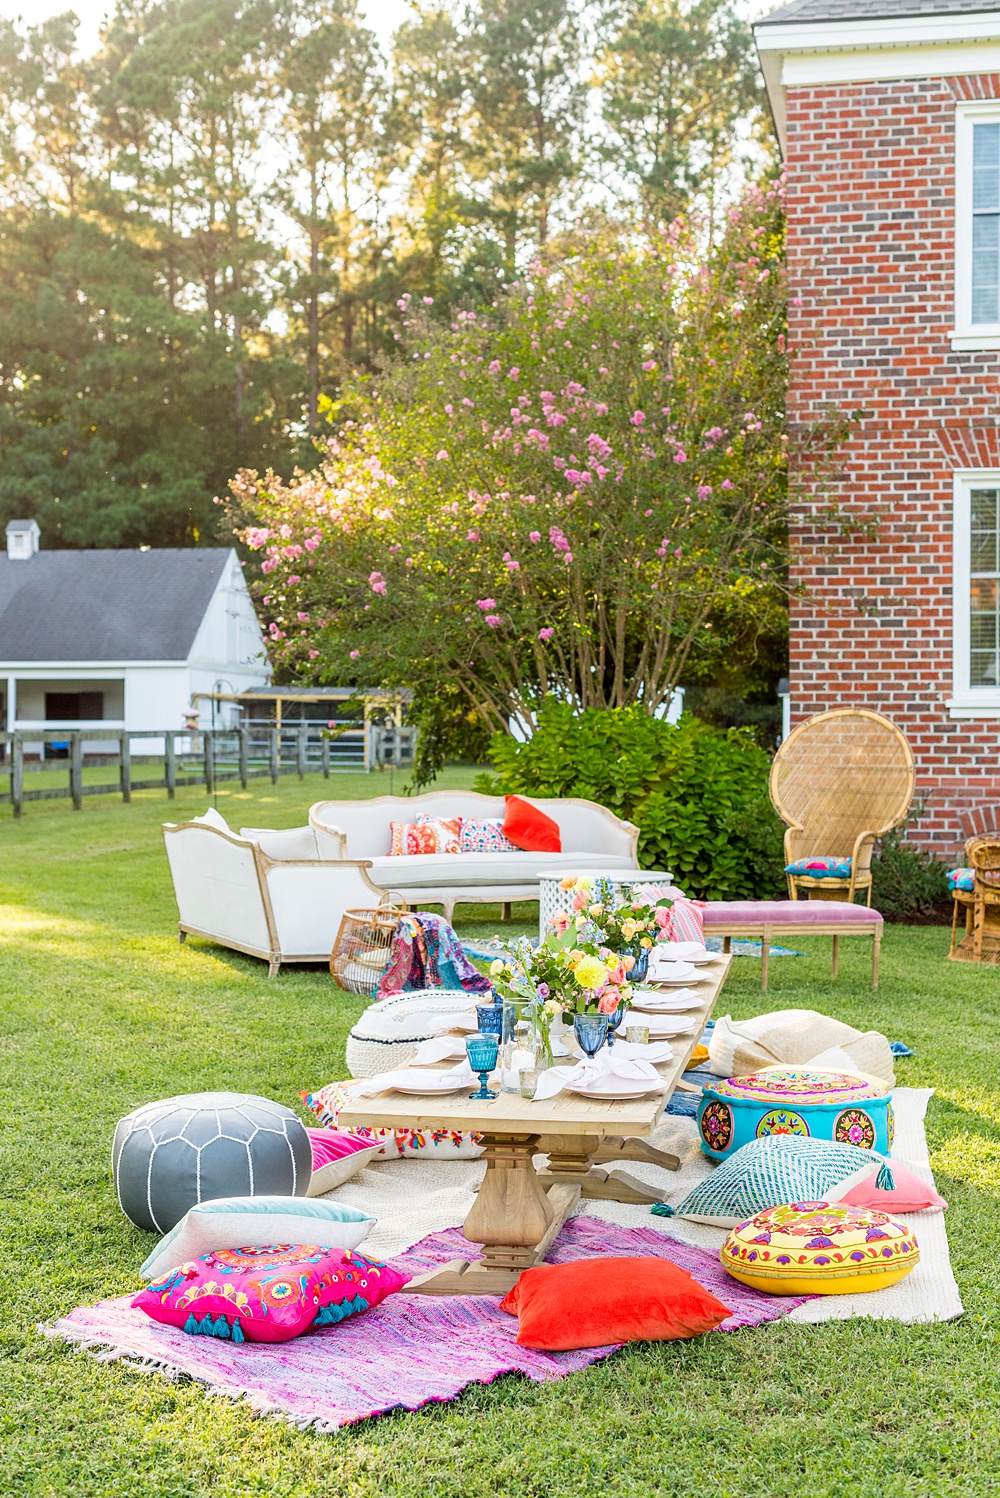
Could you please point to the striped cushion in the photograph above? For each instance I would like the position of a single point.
(777, 1169)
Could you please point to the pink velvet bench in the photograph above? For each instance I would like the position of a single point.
(782, 920)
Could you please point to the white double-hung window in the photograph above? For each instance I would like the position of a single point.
(977, 226)
(976, 596)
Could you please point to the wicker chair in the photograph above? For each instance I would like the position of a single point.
(981, 904)
(839, 781)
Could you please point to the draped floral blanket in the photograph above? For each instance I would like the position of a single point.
(426, 953)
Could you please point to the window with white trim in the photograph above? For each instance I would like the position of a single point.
(977, 226)
(976, 595)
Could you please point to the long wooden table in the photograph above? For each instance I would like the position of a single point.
(519, 1209)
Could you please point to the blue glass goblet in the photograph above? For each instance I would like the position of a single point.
(591, 1031)
(614, 1020)
(490, 1018)
(482, 1052)
(641, 965)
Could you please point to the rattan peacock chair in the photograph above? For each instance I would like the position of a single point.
(839, 781)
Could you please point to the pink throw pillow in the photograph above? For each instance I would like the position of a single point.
(909, 1194)
(686, 921)
(333, 1144)
(336, 1156)
(267, 1293)
(433, 836)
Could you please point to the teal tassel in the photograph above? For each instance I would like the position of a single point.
(238, 1332)
(660, 1209)
(221, 1327)
(191, 1326)
(885, 1180)
(339, 1311)
(207, 1326)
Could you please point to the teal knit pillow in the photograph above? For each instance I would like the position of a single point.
(776, 1171)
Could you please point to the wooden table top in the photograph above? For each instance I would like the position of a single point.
(566, 1113)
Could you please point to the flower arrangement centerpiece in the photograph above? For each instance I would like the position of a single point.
(565, 974)
(624, 925)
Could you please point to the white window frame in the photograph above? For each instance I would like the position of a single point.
(967, 701)
(967, 336)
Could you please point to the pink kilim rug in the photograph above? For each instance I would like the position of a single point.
(408, 1351)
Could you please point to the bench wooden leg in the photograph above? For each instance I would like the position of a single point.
(836, 954)
(727, 942)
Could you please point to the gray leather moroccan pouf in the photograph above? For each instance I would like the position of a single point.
(168, 1156)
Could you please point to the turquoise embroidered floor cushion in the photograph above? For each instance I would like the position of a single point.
(845, 1107)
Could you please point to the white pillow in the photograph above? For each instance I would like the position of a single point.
(288, 842)
(236, 1221)
(212, 818)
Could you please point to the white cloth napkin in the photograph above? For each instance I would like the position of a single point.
(441, 1048)
(661, 1025)
(678, 951)
(605, 1068)
(673, 1002)
(415, 1076)
(670, 972)
(655, 1052)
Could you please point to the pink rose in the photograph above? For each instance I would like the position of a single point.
(661, 916)
(559, 922)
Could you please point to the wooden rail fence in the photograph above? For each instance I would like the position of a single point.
(209, 756)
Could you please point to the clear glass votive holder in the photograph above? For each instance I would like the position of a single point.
(637, 1034)
(528, 1078)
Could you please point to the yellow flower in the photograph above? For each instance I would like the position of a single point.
(590, 972)
(645, 942)
(595, 909)
(496, 968)
(628, 929)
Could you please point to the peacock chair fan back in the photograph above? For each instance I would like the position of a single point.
(840, 774)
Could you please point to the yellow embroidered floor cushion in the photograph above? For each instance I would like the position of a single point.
(813, 1248)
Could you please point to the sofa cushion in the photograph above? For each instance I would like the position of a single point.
(459, 870)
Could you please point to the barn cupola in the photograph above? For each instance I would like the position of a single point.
(23, 539)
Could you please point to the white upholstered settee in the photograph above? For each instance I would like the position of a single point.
(276, 895)
(591, 836)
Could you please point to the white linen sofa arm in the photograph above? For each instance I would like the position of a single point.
(217, 888)
(331, 841)
(307, 900)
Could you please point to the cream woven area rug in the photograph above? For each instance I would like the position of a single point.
(411, 1198)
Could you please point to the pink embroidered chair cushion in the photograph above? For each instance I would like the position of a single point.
(786, 913)
(963, 879)
(433, 835)
(267, 1293)
(821, 867)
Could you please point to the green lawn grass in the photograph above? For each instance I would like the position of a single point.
(101, 1009)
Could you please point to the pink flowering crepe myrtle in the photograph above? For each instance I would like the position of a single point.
(652, 483)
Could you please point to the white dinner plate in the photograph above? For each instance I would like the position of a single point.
(614, 1092)
(436, 1091)
(693, 976)
(663, 1026)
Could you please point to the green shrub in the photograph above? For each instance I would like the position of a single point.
(906, 879)
(697, 794)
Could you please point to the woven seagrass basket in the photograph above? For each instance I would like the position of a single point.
(362, 946)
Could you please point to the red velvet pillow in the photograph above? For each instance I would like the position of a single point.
(594, 1302)
(530, 829)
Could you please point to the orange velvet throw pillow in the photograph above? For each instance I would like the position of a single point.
(594, 1302)
(530, 829)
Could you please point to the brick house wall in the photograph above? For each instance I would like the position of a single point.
(871, 200)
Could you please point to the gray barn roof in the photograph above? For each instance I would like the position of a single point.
(872, 10)
(106, 605)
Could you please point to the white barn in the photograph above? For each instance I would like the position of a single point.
(122, 639)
